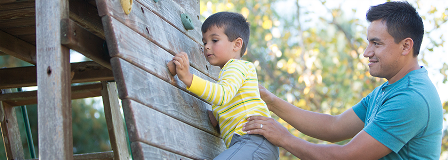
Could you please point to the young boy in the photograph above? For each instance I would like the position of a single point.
(235, 96)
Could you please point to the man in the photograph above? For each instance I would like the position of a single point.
(401, 119)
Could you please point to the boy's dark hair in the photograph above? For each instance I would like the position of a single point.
(402, 21)
(234, 24)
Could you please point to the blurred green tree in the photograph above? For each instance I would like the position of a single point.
(314, 61)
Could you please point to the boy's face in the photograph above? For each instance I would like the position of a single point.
(218, 49)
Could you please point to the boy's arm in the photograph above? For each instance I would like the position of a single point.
(183, 68)
(232, 78)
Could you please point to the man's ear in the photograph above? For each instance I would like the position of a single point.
(408, 45)
(238, 44)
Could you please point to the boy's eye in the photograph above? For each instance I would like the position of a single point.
(204, 43)
(215, 40)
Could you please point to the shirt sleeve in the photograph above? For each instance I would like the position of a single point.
(222, 92)
(399, 119)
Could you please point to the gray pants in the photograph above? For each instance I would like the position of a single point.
(248, 147)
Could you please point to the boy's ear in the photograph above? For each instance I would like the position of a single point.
(238, 44)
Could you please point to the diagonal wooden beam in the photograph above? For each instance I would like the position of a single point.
(18, 48)
(26, 76)
(86, 15)
(79, 39)
(10, 131)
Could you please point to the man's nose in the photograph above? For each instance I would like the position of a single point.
(368, 52)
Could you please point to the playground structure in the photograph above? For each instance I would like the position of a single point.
(129, 42)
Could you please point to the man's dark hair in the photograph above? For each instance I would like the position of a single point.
(234, 24)
(402, 21)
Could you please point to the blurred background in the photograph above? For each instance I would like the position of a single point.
(308, 52)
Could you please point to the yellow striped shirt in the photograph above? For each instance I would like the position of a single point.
(234, 97)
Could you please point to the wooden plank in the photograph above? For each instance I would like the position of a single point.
(16, 5)
(107, 155)
(127, 44)
(53, 79)
(26, 76)
(156, 129)
(143, 151)
(30, 38)
(77, 38)
(170, 11)
(11, 23)
(6, 1)
(21, 30)
(115, 122)
(86, 15)
(137, 84)
(18, 13)
(17, 48)
(30, 97)
(10, 132)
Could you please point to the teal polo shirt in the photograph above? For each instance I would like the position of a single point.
(405, 116)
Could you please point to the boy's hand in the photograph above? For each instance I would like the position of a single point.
(183, 68)
(171, 67)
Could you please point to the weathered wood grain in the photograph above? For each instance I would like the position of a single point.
(114, 120)
(141, 86)
(156, 129)
(168, 10)
(16, 5)
(30, 97)
(17, 48)
(53, 79)
(6, 1)
(10, 131)
(79, 39)
(107, 155)
(143, 151)
(86, 15)
(22, 30)
(18, 13)
(10, 23)
(125, 43)
(82, 72)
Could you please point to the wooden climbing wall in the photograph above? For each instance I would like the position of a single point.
(164, 120)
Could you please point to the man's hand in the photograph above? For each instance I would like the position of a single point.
(273, 131)
(267, 96)
(183, 68)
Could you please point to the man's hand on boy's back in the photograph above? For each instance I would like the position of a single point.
(183, 68)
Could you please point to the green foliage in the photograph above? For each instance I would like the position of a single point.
(89, 129)
(314, 63)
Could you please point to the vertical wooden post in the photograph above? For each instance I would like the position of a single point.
(10, 132)
(53, 81)
(114, 121)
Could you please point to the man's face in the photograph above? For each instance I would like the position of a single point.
(385, 59)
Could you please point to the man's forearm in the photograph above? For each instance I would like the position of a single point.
(310, 123)
(306, 150)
